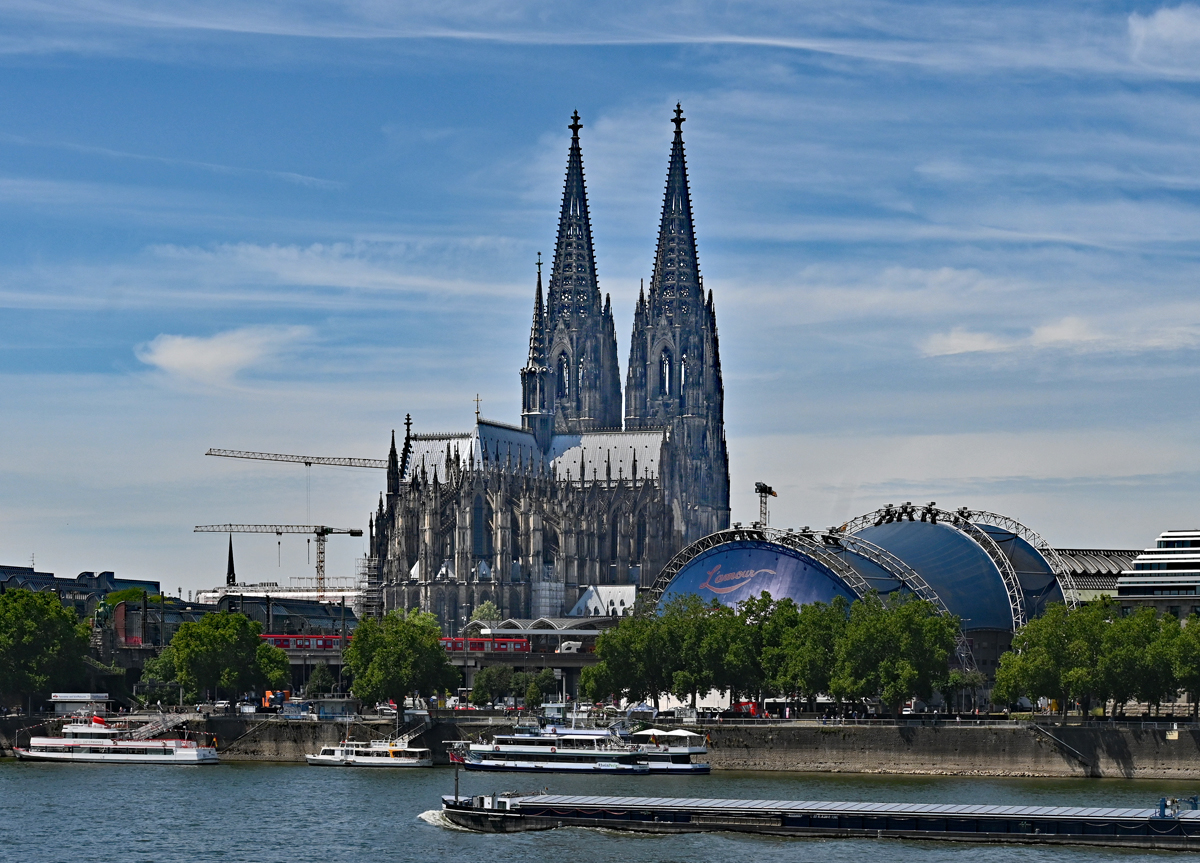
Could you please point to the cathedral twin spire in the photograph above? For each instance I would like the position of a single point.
(571, 383)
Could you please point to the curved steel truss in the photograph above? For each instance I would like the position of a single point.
(965, 521)
(1057, 565)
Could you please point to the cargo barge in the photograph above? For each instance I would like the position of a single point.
(1165, 827)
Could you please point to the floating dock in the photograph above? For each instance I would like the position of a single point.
(1163, 827)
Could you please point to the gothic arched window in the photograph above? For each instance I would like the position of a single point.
(639, 545)
(664, 373)
(683, 371)
(564, 377)
(613, 540)
(478, 530)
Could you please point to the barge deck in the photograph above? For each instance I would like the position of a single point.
(1164, 827)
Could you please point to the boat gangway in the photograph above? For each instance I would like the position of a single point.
(1166, 826)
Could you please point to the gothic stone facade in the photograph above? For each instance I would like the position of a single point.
(529, 516)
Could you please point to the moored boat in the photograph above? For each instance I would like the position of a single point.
(93, 740)
(373, 753)
(671, 752)
(552, 750)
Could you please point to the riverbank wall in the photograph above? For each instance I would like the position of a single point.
(942, 749)
(1025, 750)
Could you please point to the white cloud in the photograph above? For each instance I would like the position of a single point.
(218, 358)
(1161, 327)
(1167, 38)
(961, 341)
(1067, 332)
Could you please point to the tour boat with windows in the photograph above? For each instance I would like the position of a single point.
(371, 753)
(93, 740)
(581, 750)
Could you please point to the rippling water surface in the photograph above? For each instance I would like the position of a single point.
(285, 812)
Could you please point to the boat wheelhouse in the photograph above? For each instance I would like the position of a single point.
(93, 740)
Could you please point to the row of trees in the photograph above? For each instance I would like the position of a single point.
(893, 649)
(1093, 655)
(390, 658)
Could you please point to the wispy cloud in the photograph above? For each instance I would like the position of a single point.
(930, 35)
(218, 358)
(1165, 327)
(229, 170)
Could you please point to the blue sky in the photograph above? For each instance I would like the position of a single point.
(954, 250)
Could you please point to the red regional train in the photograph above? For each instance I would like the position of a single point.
(489, 645)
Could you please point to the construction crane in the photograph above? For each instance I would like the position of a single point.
(763, 491)
(306, 460)
(319, 531)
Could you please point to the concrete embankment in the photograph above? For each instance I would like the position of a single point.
(1131, 753)
(966, 750)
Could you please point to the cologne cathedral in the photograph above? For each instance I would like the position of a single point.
(591, 488)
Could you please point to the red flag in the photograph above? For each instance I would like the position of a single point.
(98, 720)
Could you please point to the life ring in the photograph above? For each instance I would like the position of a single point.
(496, 748)
(553, 749)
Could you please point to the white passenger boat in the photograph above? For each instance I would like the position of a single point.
(552, 750)
(671, 751)
(373, 753)
(94, 740)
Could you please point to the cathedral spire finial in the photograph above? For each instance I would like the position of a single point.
(393, 468)
(575, 125)
(679, 119)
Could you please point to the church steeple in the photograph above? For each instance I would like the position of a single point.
(537, 413)
(230, 575)
(581, 339)
(574, 289)
(675, 285)
(393, 468)
(674, 366)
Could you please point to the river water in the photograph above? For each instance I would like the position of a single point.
(285, 812)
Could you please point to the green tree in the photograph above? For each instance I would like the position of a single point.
(320, 681)
(686, 634)
(1186, 661)
(42, 644)
(959, 682)
(274, 667)
(402, 653)
(596, 683)
(491, 683)
(533, 695)
(486, 611)
(223, 653)
(809, 650)
(1062, 656)
(895, 649)
(635, 658)
(161, 667)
